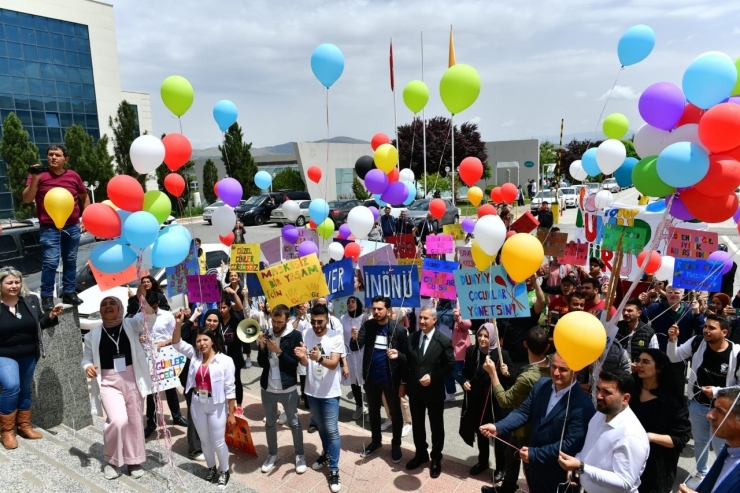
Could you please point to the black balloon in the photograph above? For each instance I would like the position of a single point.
(363, 166)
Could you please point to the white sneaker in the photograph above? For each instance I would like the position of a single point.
(111, 472)
(248, 362)
(694, 481)
(450, 398)
(406, 429)
(300, 464)
(269, 464)
(283, 418)
(386, 424)
(359, 411)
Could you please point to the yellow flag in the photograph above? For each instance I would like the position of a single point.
(452, 50)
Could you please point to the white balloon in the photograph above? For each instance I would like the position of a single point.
(223, 220)
(490, 233)
(407, 175)
(147, 153)
(577, 171)
(603, 199)
(146, 257)
(336, 250)
(665, 271)
(291, 209)
(610, 155)
(687, 133)
(650, 141)
(360, 221)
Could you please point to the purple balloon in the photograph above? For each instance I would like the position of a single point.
(376, 181)
(734, 99)
(736, 216)
(468, 225)
(345, 231)
(721, 256)
(661, 105)
(307, 248)
(230, 191)
(375, 211)
(396, 193)
(290, 233)
(679, 210)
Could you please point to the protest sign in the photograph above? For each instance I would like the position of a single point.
(290, 250)
(240, 436)
(411, 261)
(634, 238)
(203, 289)
(109, 281)
(575, 254)
(465, 257)
(688, 243)
(294, 281)
(404, 246)
(701, 275)
(455, 230)
(553, 242)
(168, 365)
(245, 257)
(271, 250)
(382, 255)
(525, 224)
(437, 279)
(438, 244)
(340, 278)
(400, 283)
(254, 288)
(622, 216)
(489, 294)
(176, 282)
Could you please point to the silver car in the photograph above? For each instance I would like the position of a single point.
(208, 211)
(549, 197)
(417, 212)
(278, 217)
(571, 196)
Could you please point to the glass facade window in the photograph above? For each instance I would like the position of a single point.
(345, 176)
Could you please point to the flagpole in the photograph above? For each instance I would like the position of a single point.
(423, 118)
(395, 115)
(452, 166)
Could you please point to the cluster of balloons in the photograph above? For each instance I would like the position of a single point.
(381, 175)
(230, 191)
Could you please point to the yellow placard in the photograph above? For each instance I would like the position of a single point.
(455, 230)
(410, 261)
(294, 281)
(245, 257)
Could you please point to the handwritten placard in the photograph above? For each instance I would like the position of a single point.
(110, 281)
(553, 242)
(340, 278)
(411, 261)
(176, 282)
(525, 224)
(489, 294)
(622, 216)
(245, 257)
(438, 279)
(634, 238)
(438, 244)
(290, 250)
(455, 230)
(701, 275)
(400, 283)
(168, 365)
(271, 250)
(203, 289)
(575, 254)
(382, 255)
(688, 243)
(294, 281)
(465, 257)
(404, 246)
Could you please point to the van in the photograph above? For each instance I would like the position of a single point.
(20, 247)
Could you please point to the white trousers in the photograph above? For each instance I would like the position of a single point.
(210, 421)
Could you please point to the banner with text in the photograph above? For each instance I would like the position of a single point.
(404, 246)
(340, 278)
(489, 294)
(438, 279)
(575, 254)
(168, 365)
(271, 250)
(203, 289)
(245, 257)
(687, 243)
(465, 257)
(701, 275)
(382, 255)
(634, 238)
(176, 282)
(294, 281)
(400, 283)
(553, 242)
(290, 250)
(438, 244)
(455, 230)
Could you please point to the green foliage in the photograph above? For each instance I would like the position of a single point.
(238, 160)
(548, 153)
(630, 149)
(19, 153)
(436, 183)
(124, 131)
(90, 160)
(359, 190)
(210, 177)
(288, 179)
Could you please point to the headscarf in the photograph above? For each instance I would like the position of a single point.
(723, 298)
(216, 312)
(358, 311)
(109, 324)
(492, 341)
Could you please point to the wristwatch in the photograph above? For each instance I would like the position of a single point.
(320, 360)
(580, 468)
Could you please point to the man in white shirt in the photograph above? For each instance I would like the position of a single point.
(617, 447)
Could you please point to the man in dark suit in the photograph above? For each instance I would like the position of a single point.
(428, 360)
(545, 409)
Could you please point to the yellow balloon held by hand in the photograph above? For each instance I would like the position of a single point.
(59, 204)
(481, 259)
(521, 256)
(475, 195)
(580, 339)
(386, 158)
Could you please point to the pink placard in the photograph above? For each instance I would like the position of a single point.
(437, 244)
(575, 254)
(203, 289)
(688, 243)
(465, 257)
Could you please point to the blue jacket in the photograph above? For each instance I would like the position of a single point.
(543, 471)
(731, 482)
(388, 224)
(690, 325)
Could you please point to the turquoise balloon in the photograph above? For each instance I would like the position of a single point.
(318, 210)
(682, 164)
(140, 229)
(379, 201)
(709, 79)
(635, 45)
(411, 191)
(170, 249)
(178, 229)
(588, 161)
(623, 174)
(110, 257)
(327, 64)
(225, 114)
(263, 180)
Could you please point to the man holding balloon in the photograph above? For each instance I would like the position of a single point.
(60, 197)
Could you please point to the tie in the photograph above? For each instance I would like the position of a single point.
(422, 348)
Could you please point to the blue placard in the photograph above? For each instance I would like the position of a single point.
(400, 283)
(701, 275)
(438, 265)
(340, 277)
(490, 294)
(176, 283)
(254, 288)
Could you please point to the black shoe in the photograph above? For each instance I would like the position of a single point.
(373, 447)
(488, 489)
(416, 462)
(436, 468)
(498, 476)
(312, 428)
(335, 484)
(396, 455)
(212, 474)
(479, 468)
(150, 428)
(47, 303)
(180, 421)
(504, 488)
(71, 299)
(223, 479)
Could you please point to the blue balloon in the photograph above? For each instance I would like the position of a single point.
(110, 257)
(682, 164)
(178, 229)
(623, 174)
(657, 206)
(225, 114)
(318, 210)
(123, 215)
(141, 229)
(170, 249)
(412, 193)
(588, 161)
(709, 79)
(263, 180)
(327, 64)
(379, 201)
(635, 45)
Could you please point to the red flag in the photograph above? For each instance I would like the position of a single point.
(391, 59)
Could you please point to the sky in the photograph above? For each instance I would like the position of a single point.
(539, 61)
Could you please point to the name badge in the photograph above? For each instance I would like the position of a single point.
(202, 395)
(319, 372)
(119, 363)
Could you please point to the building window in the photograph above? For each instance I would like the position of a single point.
(345, 176)
(52, 120)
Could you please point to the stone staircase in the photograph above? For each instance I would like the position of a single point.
(68, 461)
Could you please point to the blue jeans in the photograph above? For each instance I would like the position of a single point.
(326, 414)
(16, 375)
(56, 244)
(701, 432)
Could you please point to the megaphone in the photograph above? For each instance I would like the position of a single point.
(248, 330)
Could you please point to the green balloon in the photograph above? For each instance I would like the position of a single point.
(459, 87)
(736, 90)
(157, 204)
(616, 126)
(646, 179)
(416, 95)
(177, 94)
(326, 229)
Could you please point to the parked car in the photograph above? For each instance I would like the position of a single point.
(417, 212)
(611, 185)
(278, 217)
(549, 197)
(571, 196)
(208, 210)
(593, 187)
(395, 209)
(258, 208)
(339, 210)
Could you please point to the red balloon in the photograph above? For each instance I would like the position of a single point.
(691, 114)
(719, 128)
(126, 193)
(393, 175)
(722, 178)
(311, 224)
(496, 195)
(470, 170)
(314, 173)
(509, 192)
(177, 150)
(653, 263)
(509, 234)
(175, 184)
(733, 153)
(101, 221)
(228, 239)
(378, 140)
(352, 250)
(486, 210)
(709, 209)
(215, 189)
(437, 207)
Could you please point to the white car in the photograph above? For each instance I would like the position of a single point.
(208, 210)
(611, 185)
(278, 217)
(91, 297)
(549, 197)
(571, 196)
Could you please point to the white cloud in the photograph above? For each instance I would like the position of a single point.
(581, 94)
(620, 92)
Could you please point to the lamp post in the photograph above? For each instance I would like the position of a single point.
(92, 187)
(447, 170)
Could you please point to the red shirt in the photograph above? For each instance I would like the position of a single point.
(68, 180)
(203, 378)
(558, 305)
(599, 307)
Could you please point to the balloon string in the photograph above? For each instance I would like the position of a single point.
(608, 97)
(444, 148)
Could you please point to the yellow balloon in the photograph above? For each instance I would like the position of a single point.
(475, 195)
(521, 256)
(110, 204)
(386, 157)
(580, 339)
(59, 204)
(482, 259)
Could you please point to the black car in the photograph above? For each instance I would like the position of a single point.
(339, 210)
(257, 209)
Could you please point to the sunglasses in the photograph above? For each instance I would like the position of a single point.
(318, 322)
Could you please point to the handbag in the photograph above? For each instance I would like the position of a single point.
(239, 436)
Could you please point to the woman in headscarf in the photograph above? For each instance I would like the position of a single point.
(117, 364)
(722, 306)
(146, 284)
(354, 318)
(477, 407)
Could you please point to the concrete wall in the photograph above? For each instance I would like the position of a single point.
(519, 151)
(329, 157)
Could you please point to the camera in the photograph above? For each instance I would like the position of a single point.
(36, 169)
(266, 334)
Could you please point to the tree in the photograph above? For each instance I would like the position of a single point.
(19, 153)
(630, 149)
(573, 151)
(359, 190)
(124, 133)
(210, 177)
(548, 153)
(90, 160)
(288, 179)
(436, 183)
(238, 160)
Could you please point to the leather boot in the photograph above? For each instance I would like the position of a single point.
(7, 430)
(24, 426)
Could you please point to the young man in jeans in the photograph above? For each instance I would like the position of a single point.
(320, 355)
(279, 363)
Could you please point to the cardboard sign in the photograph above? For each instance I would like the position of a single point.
(575, 254)
(340, 278)
(489, 294)
(290, 251)
(245, 257)
(465, 257)
(438, 244)
(634, 238)
(622, 216)
(254, 288)
(455, 230)
(271, 250)
(203, 289)
(167, 366)
(438, 279)
(109, 281)
(554, 242)
(525, 224)
(687, 243)
(404, 246)
(381, 256)
(701, 275)
(240, 436)
(176, 282)
(294, 281)
(411, 261)
(400, 283)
